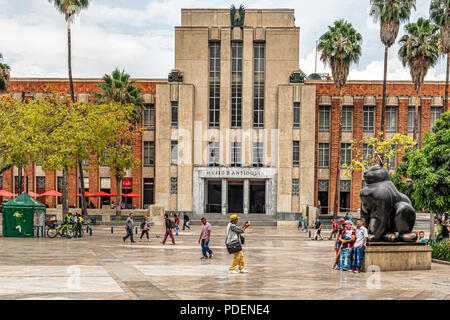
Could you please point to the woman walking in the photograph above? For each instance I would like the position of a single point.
(145, 228)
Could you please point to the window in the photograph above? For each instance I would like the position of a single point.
(322, 185)
(392, 162)
(296, 153)
(214, 84)
(391, 119)
(173, 185)
(346, 154)
(324, 155)
(59, 186)
(368, 119)
(324, 118)
(149, 153)
(367, 151)
(258, 84)
(235, 154)
(347, 118)
(149, 115)
(435, 115)
(236, 84)
(345, 186)
(258, 154)
(16, 184)
(174, 122)
(85, 163)
(411, 115)
(213, 154)
(296, 119)
(295, 187)
(174, 152)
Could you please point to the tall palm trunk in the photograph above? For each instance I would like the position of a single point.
(416, 120)
(65, 204)
(383, 105)
(338, 162)
(118, 192)
(446, 83)
(83, 190)
(69, 56)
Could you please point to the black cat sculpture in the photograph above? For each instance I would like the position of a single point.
(388, 213)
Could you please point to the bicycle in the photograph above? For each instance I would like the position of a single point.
(66, 230)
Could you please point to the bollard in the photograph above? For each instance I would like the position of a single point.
(112, 229)
(136, 231)
(90, 231)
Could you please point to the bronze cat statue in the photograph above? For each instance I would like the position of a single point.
(388, 213)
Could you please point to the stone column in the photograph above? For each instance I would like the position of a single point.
(224, 196)
(201, 196)
(246, 195)
(268, 197)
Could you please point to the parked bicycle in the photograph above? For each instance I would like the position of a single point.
(65, 230)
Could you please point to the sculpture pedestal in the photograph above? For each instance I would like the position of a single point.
(397, 256)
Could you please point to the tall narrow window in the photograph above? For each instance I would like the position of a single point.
(411, 116)
(296, 153)
(149, 115)
(346, 154)
(367, 151)
(235, 154)
(213, 154)
(347, 118)
(324, 118)
(258, 154)
(368, 119)
(214, 84)
(174, 152)
(296, 120)
(391, 119)
(40, 184)
(324, 155)
(174, 122)
(258, 84)
(236, 84)
(295, 187)
(173, 185)
(435, 115)
(149, 153)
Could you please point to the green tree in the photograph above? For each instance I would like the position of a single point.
(419, 50)
(390, 13)
(4, 74)
(440, 14)
(340, 46)
(424, 174)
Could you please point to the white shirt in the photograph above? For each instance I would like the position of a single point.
(361, 233)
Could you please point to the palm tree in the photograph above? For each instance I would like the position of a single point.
(390, 13)
(440, 14)
(340, 46)
(70, 8)
(4, 74)
(419, 50)
(118, 87)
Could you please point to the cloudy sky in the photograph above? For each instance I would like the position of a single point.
(138, 36)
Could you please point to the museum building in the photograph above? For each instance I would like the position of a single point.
(237, 127)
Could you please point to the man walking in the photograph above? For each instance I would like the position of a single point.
(129, 227)
(177, 223)
(335, 229)
(204, 239)
(169, 225)
(360, 245)
(234, 234)
(318, 227)
(186, 221)
(300, 220)
(305, 224)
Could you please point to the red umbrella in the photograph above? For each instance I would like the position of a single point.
(131, 195)
(114, 194)
(87, 193)
(34, 195)
(51, 193)
(4, 193)
(101, 194)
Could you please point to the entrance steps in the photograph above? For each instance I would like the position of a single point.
(217, 219)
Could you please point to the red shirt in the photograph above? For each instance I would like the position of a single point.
(348, 244)
(177, 220)
(334, 225)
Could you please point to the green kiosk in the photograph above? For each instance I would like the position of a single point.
(23, 217)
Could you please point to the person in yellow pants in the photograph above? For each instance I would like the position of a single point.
(234, 233)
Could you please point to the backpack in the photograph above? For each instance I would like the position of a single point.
(172, 223)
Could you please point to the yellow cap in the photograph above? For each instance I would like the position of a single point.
(233, 216)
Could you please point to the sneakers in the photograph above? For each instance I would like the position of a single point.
(356, 271)
(203, 258)
(243, 271)
(353, 270)
(233, 271)
(211, 256)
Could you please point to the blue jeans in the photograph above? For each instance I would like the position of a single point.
(345, 258)
(176, 229)
(185, 225)
(358, 255)
(205, 248)
(129, 234)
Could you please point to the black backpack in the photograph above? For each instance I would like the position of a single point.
(445, 231)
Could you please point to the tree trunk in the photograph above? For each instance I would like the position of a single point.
(446, 84)
(383, 105)
(416, 121)
(338, 161)
(20, 178)
(118, 197)
(65, 204)
(432, 237)
(83, 191)
(69, 47)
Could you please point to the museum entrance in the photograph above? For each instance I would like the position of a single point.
(235, 196)
(214, 200)
(257, 197)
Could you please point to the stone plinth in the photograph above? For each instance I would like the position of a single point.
(398, 256)
(157, 214)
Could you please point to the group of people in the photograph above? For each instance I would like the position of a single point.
(234, 233)
(442, 230)
(78, 221)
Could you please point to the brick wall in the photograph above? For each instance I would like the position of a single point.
(50, 184)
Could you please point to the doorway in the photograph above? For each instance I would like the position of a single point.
(214, 202)
(236, 197)
(323, 198)
(344, 201)
(257, 197)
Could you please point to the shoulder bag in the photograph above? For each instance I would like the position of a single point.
(234, 246)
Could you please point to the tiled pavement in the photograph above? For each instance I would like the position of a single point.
(282, 264)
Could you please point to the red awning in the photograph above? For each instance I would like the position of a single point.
(51, 193)
(131, 195)
(114, 194)
(4, 193)
(87, 193)
(34, 195)
(101, 194)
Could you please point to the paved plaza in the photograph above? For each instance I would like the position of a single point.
(282, 264)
